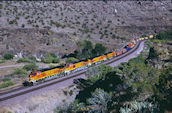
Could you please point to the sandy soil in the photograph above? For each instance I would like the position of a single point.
(113, 24)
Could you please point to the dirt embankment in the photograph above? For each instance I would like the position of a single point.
(35, 42)
(35, 28)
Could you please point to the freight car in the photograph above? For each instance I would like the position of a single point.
(39, 76)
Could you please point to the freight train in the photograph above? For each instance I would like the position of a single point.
(42, 75)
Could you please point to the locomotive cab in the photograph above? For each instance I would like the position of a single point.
(30, 80)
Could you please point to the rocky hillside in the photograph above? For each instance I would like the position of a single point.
(40, 27)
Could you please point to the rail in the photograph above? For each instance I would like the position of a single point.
(12, 94)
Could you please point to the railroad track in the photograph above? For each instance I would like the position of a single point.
(23, 90)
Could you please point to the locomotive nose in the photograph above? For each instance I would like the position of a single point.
(26, 83)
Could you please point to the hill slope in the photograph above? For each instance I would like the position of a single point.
(111, 23)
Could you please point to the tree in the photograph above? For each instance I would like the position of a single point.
(164, 35)
(100, 98)
(163, 90)
(80, 45)
(75, 106)
(8, 56)
(108, 82)
(152, 53)
(140, 76)
(86, 51)
(99, 49)
(97, 73)
(88, 45)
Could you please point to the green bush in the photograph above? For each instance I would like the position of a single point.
(70, 92)
(56, 60)
(23, 60)
(30, 66)
(1, 6)
(65, 92)
(5, 79)
(8, 56)
(23, 25)
(152, 54)
(2, 60)
(47, 60)
(157, 41)
(71, 60)
(50, 58)
(6, 84)
(164, 35)
(20, 71)
(32, 58)
(53, 55)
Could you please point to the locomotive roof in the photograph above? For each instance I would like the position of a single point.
(108, 53)
(80, 61)
(94, 56)
(42, 70)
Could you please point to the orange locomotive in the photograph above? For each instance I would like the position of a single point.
(44, 74)
(55, 72)
(110, 55)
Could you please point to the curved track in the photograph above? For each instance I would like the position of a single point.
(22, 90)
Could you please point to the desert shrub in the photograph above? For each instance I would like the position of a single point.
(74, 33)
(20, 71)
(157, 41)
(11, 22)
(142, 77)
(50, 58)
(57, 24)
(96, 73)
(65, 92)
(153, 53)
(6, 84)
(170, 59)
(71, 60)
(30, 66)
(56, 60)
(8, 56)
(164, 35)
(32, 58)
(1, 6)
(5, 79)
(70, 92)
(53, 55)
(47, 60)
(37, 26)
(23, 25)
(2, 60)
(23, 60)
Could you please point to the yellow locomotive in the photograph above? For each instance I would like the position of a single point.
(55, 72)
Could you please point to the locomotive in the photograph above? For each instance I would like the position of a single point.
(42, 75)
